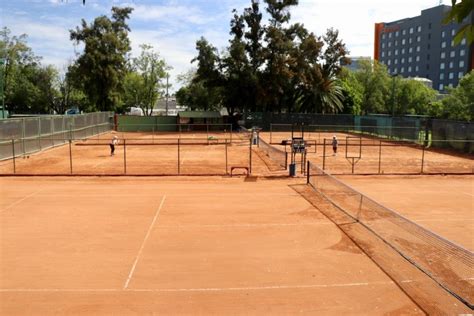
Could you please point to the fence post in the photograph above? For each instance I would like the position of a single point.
(324, 154)
(70, 155)
(308, 171)
(250, 156)
(271, 132)
(422, 157)
(179, 145)
(13, 152)
(23, 136)
(231, 133)
(39, 133)
(125, 156)
(380, 155)
(226, 163)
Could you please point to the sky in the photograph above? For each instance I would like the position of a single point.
(173, 26)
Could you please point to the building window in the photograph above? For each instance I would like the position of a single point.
(417, 58)
(460, 74)
(452, 53)
(389, 53)
(410, 50)
(396, 52)
(452, 43)
(427, 66)
(403, 41)
(404, 32)
(461, 63)
(410, 40)
(429, 26)
(383, 36)
(410, 59)
(418, 38)
(443, 55)
(418, 48)
(383, 45)
(395, 61)
(418, 28)
(451, 75)
(402, 61)
(450, 85)
(396, 42)
(397, 33)
(389, 62)
(383, 54)
(441, 66)
(389, 35)
(403, 51)
(441, 76)
(389, 44)
(411, 30)
(429, 46)
(443, 34)
(463, 42)
(461, 52)
(402, 70)
(443, 44)
(451, 64)
(441, 87)
(453, 32)
(417, 68)
(409, 68)
(429, 35)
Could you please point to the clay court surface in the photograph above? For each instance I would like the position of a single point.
(442, 204)
(179, 246)
(393, 159)
(144, 154)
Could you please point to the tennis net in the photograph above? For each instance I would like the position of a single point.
(448, 264)
(279, 157)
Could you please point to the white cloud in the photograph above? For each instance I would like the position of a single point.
(355, 19)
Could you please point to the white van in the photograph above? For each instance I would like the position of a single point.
(135, 111)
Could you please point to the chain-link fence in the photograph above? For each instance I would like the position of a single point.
(444, 134)
(22, 136)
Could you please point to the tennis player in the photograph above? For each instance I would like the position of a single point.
(334, 145)
(112, 144)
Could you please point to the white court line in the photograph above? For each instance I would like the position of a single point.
(468, 193)
(444, 220)
(247, 225)
(21, 200)
(210, 289)
(221, 289)
(143, 244)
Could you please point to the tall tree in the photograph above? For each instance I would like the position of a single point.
(152, 69)
(102, 65)
(461, 10)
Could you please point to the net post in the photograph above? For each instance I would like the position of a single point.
(380, 155)
(14, 158)
(179, 145)
(70, 155)
(324, 154)
(125, 156)
(422, 157)
(308, 172)
(286, 159)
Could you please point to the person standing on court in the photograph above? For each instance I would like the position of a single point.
(112, 144)
(334, 145)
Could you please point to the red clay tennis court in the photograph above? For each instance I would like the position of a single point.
(186, 246)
